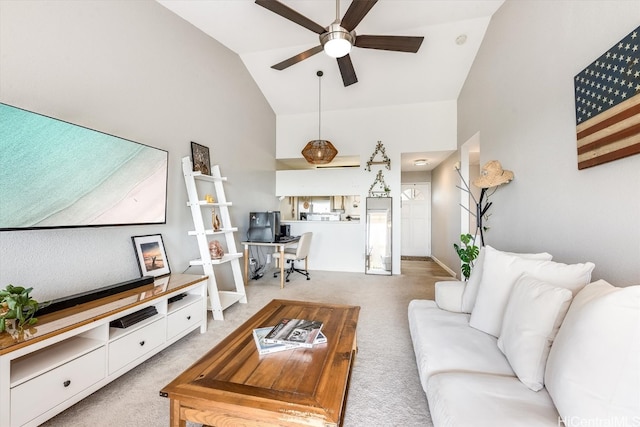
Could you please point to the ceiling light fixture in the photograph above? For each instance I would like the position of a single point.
(337, 41)
(461, 39)
(421, 162)
(319, 151)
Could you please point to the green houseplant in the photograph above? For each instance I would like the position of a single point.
(467, 252)
(16, 303)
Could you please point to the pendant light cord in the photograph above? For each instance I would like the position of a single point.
(319, 74)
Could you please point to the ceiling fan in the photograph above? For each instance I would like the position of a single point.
(339, 37)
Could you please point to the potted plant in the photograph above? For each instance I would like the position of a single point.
(467, 252)
(18, 307)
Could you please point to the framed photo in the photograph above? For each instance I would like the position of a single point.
(152, 258)
(201, 159)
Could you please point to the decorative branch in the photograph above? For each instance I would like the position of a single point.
(386, 161)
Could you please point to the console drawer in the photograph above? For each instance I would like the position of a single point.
(180, 320)
(36, 396)
(125, 350)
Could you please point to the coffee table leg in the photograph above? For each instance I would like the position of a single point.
(175, 420)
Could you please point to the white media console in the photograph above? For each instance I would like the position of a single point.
(72, 353)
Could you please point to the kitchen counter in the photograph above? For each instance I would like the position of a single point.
(335, 245)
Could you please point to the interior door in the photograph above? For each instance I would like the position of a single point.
(416, 219)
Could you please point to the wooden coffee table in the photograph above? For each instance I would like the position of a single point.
(233, 385)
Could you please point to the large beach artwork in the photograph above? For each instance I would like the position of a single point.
(56, 174)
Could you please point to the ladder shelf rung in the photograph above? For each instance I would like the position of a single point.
(228, 298)
(205, 203)
(199, 176)
(211, 232)
(225, 258)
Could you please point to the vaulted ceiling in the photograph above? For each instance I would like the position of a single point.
(452, 29)
(261, 39)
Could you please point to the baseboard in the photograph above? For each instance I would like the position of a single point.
(441, 264)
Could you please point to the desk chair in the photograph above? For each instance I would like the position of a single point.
(299, 253)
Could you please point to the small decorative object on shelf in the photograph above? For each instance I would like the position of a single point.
(152, 257)
(215, 221)
(215, 249)
(17, 310)
(385, 160)
(383, 190)
(209, 198)
(201, 158)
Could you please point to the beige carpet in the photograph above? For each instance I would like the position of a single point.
(385, 389)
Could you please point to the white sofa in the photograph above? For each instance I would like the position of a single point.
(529, 342)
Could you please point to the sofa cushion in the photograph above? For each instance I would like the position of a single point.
(593, 369)
(500, 272)
(471, 290)
(464, 399)
(443, 341)
(473, 284)
(531, 321)
(449, 295)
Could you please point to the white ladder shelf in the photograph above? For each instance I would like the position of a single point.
(218, 300)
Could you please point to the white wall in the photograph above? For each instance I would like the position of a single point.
(519, 96)
(445, 213)
(135, 70)
(405, 128)
(335, 246)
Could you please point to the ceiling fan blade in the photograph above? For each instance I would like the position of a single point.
(290, 14)
(297, 58)
(347, 71)
(395, 43)
(357, 10)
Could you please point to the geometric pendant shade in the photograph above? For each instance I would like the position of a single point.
(319, 152)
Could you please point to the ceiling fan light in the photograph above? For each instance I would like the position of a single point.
(337, 41)
(337, 48)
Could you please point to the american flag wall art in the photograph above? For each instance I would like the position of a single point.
(607, 97)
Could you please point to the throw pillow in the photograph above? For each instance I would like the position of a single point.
(471, 289)
(593, 369)
(531, 321)
(500, 272)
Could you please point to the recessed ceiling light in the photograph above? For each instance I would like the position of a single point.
(461, 39)
(421, 162)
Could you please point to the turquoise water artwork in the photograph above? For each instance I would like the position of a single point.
(56, 174)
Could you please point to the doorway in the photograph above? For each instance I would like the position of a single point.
(416, 219)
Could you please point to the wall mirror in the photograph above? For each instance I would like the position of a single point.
(378, 236)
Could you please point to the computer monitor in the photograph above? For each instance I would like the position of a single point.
(264, 226)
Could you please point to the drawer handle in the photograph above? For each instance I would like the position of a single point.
(189, 317)
(67, 383)
(141, 343)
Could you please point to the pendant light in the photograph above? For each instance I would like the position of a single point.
(319, 151)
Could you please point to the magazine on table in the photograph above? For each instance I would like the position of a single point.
(266, 348)
(301, 332)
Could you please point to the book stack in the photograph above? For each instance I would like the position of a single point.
(288, 334)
